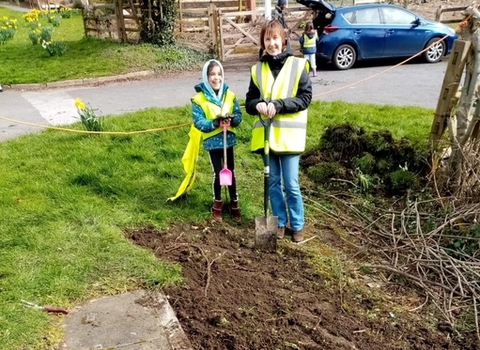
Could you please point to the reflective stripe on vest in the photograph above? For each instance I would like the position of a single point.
(211, 110)
(307, 42)
(288, 131)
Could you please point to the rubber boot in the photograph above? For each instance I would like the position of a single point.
(235, 211)
(314, 72)
(217, 211)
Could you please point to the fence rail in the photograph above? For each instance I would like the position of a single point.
(449, 14)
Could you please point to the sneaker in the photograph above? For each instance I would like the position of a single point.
(297, 236)
(281, 232)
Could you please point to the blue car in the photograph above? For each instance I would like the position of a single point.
(373, 31)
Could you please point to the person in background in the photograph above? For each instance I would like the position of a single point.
(213, 105)
(280, 16)
(308, 45)
(280, 91)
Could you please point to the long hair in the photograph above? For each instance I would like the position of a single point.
(271, 28)
(308, 27)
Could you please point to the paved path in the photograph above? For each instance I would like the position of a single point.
(412, 85)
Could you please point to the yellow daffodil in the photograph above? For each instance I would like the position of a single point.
(79, 104)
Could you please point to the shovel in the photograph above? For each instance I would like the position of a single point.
(225, 173)
(266, 227)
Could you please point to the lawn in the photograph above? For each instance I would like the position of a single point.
(85, 57)
(66, 199)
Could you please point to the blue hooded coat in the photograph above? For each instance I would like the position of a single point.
(203, 124)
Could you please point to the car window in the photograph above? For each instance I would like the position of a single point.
(363, 16)
(367, 16)
(397, 16)
(349, 16)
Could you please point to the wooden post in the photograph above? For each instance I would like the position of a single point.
(250, 5)
(221, 49)
(212, 24)
(212, 21)
(122, 33)
(451, 81)
(216, 28)
(84, 17)
(438, 14)
(180, 15)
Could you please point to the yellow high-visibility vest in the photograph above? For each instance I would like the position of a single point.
(288, 132)
(211, 110)
(309, 42)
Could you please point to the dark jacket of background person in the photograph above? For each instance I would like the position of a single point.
(278, 13)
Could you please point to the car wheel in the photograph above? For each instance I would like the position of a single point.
(436, 52)
(344, 57)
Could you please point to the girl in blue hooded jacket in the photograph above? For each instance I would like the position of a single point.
(308, 45)
(213, 105)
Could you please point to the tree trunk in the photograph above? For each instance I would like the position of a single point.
(464, 123)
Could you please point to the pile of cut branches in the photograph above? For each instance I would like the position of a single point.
(440, 254)
(434, 249)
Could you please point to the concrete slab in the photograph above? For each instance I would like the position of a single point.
(139, 320)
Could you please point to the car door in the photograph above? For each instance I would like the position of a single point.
(403, 37)
(367, 31)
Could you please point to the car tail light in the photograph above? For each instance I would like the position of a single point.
(330, 29)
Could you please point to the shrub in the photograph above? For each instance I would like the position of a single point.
(55, 19)
(54, 48)
(398, 182)
(323, 172)
(366, 164)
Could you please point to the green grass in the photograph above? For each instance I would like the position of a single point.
(86, 57)
(66, 199)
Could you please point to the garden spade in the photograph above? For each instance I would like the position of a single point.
(266, 226)
(225, 173)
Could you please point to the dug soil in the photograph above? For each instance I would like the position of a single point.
(301, 297)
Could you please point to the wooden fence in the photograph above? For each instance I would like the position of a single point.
(234, 34)
(449, 14)
(120, 21)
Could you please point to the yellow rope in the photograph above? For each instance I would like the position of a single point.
(98, 132)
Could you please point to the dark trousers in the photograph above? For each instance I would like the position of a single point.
(216, 161)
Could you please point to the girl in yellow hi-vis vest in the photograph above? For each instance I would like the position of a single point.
(214, 104)
(280, 90)
(308, 45)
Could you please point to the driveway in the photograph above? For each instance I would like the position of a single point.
(413, 84)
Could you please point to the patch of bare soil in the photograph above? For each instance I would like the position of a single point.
(236, 297)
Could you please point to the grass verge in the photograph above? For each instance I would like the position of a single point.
(66, 198)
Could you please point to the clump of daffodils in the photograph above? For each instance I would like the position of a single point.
(7, 29)
(88, 117)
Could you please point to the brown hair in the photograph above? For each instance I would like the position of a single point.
(269, 29)
(308, 26)
(211, 65)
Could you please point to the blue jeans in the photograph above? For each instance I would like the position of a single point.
(285, 167)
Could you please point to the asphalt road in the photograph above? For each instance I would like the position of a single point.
(412, 84)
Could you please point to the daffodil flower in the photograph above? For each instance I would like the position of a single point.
(79, 104)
